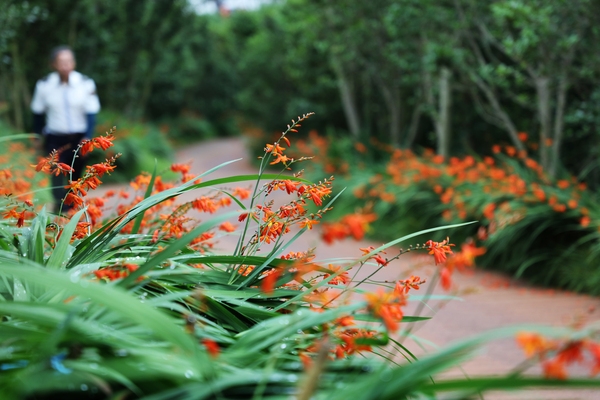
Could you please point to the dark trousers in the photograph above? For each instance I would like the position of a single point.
(66, 145)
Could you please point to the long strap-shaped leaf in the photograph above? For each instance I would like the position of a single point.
(59, 257)
(140, 218)
(90, 248)
(175, 247)
(116, 300)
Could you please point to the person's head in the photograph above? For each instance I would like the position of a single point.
(63, 61)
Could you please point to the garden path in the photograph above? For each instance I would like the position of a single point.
(486, 300)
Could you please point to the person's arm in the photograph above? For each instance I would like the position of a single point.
(92, 107)
(38, 107)
(39, 121)
(91, 126)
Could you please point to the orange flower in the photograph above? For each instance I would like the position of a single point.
(101, 168)
(554, 369)
(511, 151)
(211, 347)
(446, 278)
(466, 256)
(522, 136)
(333, 231)
(227, 227)
(380, 260)
(341, 279)
(104, 142)
(361, 148)
(182, 168)
(86, 147)
(358, 224)
(12, 213)
(73, 199)
(306, 222)
(387, 306)
(439, 250)
(403, 286)
(594, 349)
(488, 211)
(274, 148)
(585, 221)
(241, 193)
(563, 184)
(533, 343)
(268, 282)
(280, 158)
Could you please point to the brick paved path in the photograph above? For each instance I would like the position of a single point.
(487, 300)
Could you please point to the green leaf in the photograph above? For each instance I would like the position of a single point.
(60, 255)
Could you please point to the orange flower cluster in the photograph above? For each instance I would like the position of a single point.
(508, 187)
(347, 340)
(439, 250)
(51, 165)
(388, 307)
(89, 181)
(275, 223)
(100, 142)
(353, 341)
(350, 225)
(405, 285)
(16, 182)
(167, 221)
(557, 355)
(115, 272)
(377, 257)
(20, 216)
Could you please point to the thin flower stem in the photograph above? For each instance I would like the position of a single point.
(423, 303)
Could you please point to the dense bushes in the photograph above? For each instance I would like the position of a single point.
(371, 70)
(532, 226)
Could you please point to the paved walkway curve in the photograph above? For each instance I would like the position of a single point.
(487, 300)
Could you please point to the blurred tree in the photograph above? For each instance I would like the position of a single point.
(530, 52)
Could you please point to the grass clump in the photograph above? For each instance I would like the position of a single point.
(142, 304)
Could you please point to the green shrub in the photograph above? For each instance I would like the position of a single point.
(141, 305)
(532, 226)
(140, 145)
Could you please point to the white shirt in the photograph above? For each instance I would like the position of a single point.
(66, 105)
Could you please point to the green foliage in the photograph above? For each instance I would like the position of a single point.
(371, 68)
(533, 227)
(141, 145)
(154, 333)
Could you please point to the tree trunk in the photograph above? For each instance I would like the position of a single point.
(542, 87)
(415, 119)
(440, 110)
(504, 120)
(16, 90)
(391, 98)
(347, 97)
(559, 119)
(130, 90)
(442, 122)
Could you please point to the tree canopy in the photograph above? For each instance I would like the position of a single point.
(455, 75)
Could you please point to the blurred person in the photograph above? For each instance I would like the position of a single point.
(64, 108)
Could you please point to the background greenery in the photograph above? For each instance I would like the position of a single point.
(451, 75)
(457, 76)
